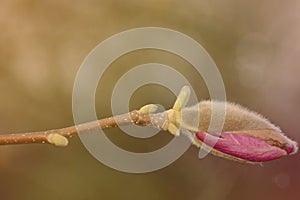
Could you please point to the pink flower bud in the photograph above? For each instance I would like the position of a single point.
(255, 146)
(245, 135)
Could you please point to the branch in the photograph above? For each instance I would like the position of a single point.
(168, 120)
(59, 137)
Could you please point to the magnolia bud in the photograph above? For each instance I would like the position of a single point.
(244, 136)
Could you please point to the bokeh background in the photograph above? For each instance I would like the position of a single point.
(255, 44)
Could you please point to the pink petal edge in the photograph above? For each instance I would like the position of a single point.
(244, 147)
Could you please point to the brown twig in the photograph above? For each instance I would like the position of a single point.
(58, 136)
(168, 120)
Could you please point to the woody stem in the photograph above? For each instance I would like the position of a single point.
(134, 117)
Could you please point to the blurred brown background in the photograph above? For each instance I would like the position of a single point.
(255, 44)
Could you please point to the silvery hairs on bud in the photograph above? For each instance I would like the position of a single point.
(198, 117)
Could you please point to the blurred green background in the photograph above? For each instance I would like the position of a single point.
(255, 45)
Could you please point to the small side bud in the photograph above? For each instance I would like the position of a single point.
(183, 98)
(57, 140)
(173, 129)
(148, 109)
